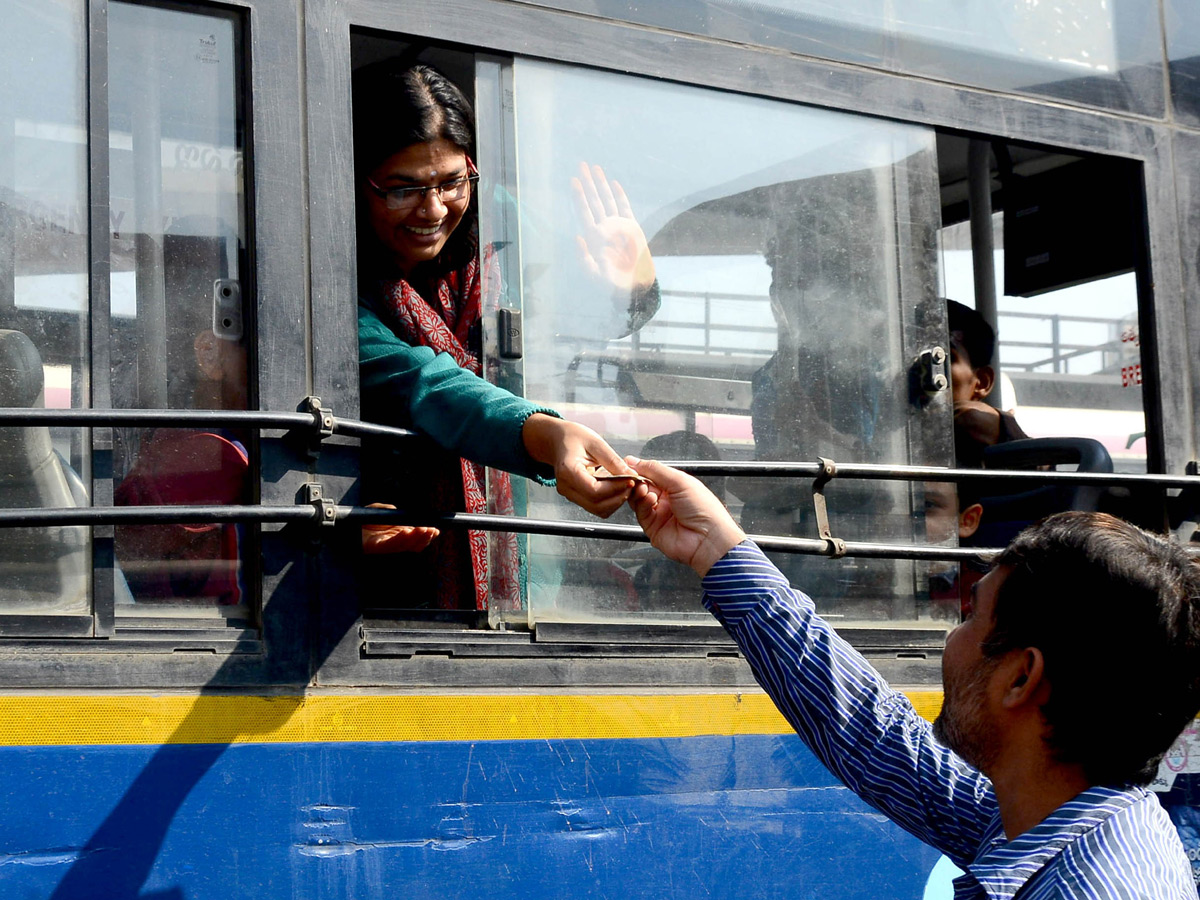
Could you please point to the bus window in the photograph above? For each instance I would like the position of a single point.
(781, 330)
(178, 291)
(1068, 336)
(1069, 343)
(44, 284)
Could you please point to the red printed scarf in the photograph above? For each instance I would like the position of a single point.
(443, 326)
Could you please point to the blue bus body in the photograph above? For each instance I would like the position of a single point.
(720, 815)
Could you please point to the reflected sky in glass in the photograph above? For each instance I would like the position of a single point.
(1087, 51)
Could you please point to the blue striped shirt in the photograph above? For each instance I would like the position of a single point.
(1105, 843)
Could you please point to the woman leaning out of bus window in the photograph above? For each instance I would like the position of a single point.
(422, 284)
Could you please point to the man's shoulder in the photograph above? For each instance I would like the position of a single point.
(1132, 851)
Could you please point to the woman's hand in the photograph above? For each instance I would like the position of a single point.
(682, 517)
(395, 538)
(575, 451)
(613, 245)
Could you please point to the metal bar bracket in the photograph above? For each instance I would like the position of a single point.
(322, 426)
(326, 509)
(932, 370)
(835, 547)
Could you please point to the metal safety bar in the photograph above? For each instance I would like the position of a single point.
(318, 513)
(931, 473)
(320, 422)
(317, 420)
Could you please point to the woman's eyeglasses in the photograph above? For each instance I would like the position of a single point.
(409, 198)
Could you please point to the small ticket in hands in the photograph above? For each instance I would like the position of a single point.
(601, 474)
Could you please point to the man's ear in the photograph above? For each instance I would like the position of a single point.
(968, 520)
(985, 380)
(1025, 680)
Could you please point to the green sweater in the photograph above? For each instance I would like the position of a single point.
(414, 387)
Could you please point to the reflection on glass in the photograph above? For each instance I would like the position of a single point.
(1182, 20)
(43, 297)
(779, 332)
(177, 196)
(1085, 51)
(951, 515)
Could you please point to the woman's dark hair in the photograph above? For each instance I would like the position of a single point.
(397, 107)
(1116, 613)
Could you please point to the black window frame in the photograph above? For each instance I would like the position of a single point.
(158, 651)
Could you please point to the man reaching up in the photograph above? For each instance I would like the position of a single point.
(1076, 667)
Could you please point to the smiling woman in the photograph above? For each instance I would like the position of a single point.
(422, 285)
(417, 198)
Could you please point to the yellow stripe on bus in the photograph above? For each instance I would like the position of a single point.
(46, 719)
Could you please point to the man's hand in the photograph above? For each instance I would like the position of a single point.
(378, 539)
(682, 517)
(575, 451)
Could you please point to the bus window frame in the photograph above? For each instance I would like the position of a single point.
(491, 29)
(156, 651)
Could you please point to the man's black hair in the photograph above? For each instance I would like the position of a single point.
(1116, 613)
(978, 338)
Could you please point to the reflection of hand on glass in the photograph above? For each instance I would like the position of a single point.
(613, 245)
(395, 538)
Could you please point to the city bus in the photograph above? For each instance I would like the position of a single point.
(205, 689)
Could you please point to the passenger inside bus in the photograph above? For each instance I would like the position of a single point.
(424, 287)
(977, 424)
(951, 516)
(990, 438)
(812, 398)
(190, 562)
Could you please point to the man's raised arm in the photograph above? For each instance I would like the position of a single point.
(866, 733)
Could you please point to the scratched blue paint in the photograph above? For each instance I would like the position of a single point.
(723, 817)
